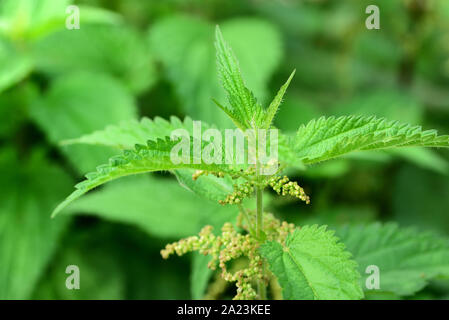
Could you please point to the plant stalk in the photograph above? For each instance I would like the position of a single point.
(247, 218)
(259, 212)
(261, 289)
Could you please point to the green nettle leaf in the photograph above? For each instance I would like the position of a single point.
(207, 186)
(154, 156)
(245, 112)
(147, 202)
(328, 138)
(115, 50)
(394, 105)
(406, 259)
(313, 264)
(129, 133)
(185, 47)
(78, 104)
(28, 238)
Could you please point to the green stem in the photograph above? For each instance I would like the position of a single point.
(259, 212)
(261, 289)
(247, 218)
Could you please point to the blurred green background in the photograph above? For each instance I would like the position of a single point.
(134, 58)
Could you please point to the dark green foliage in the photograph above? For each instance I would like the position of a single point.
(72, 99)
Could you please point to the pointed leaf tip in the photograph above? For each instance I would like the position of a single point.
(277, 100)
(245, 110)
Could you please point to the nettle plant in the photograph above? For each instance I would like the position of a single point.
(259, 250)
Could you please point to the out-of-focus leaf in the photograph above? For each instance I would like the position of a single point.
(296, 18)
(320, 75)
(161, 208)
(78, 104)
(376, 48)
(185, 46)
(158, 206)
(423, 158)
(406, 259)
(115, 262)
(13, 108)
(338, 215)
(99, 265)
(420, 198)
(385, 103)
(330, 169)
(376, 295)
(114, 50)
(33, 19)
(127, 134)
(431, 93)
(142, 265)
(21, 18)
(294, 111)
(380, 156)
(14, 65)
(28, 237)
(200, 275)
(375, 56)
(308, 20)
(276, 102)
(91, 15)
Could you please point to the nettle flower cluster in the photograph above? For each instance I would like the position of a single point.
(232, 245)
(282, 185)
